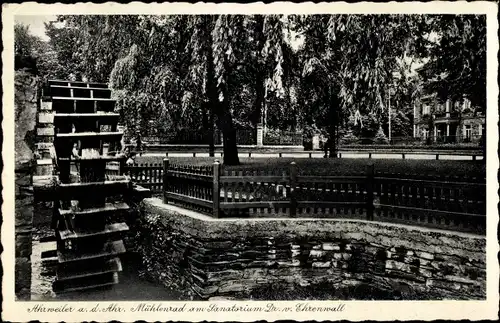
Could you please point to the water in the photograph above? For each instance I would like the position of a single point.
(131, 286)
(42, 276)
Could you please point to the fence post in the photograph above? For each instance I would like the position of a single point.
(369, 155)
(369, 191)
(437, 156)
(216, 192)
(166, 154)
(165, 170)
(293, 185)
(403, 155)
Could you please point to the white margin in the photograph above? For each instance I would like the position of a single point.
(355, 310)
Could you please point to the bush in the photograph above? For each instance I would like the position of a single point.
(349, 138)
(380, 137)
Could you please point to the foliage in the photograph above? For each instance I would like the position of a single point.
(234, 71)
(380, 137)
(365, 127)
(90, 44)
(63, 40)
(24, 42)
(349, 63)
(457, 65)
(400, 124)
(349, 138)
(30, 50)
(280, 137)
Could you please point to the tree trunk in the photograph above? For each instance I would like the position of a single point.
(211, 134)
(224, 117)
(256, 114)
(229, 134)
(332, 142)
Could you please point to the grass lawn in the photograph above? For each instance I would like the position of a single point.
(327, 166)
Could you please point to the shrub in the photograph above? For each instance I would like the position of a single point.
(380, 137)
(349, 138)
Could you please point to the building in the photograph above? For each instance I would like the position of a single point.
(449, 121)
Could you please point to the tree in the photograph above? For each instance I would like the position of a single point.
(63, 40)
(196, 71)
(211, 77)
(270, 69)
(220, 61)
(144, 59)
(407, 92)
(32, 51)
(89, 45)
(457, 65)
(24, 42)
(357, 55)
(148, 81)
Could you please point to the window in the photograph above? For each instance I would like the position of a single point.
(468, 132)
(426, 110)
(466, 104)
(425, 133)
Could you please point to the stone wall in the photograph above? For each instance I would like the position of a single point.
(236, 257)
(25, 122)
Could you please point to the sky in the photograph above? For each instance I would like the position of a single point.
(36, 24)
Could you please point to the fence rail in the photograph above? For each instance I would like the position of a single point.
(431, 201)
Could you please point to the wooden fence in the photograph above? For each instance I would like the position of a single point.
(190, 186)
(421, 200)
(147, 175)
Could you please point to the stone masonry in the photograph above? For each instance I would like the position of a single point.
(232, 257)
(25, 122)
